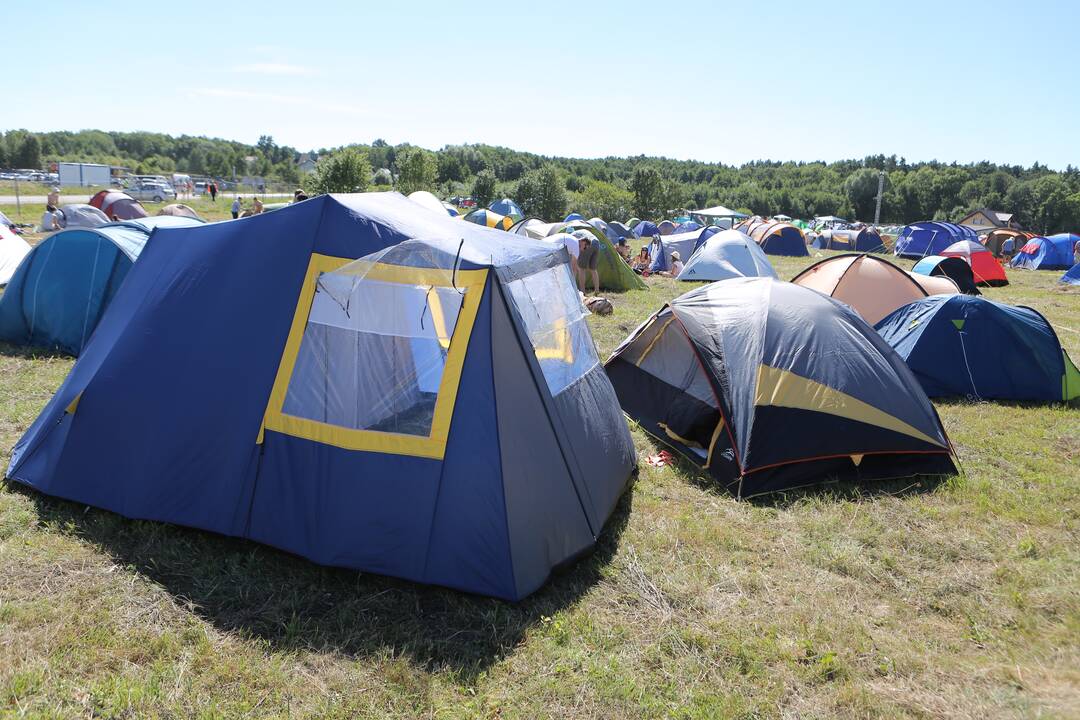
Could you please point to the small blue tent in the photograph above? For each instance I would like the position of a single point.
(1072, 277)
(1046, 253)
(666, 227)
(507, 208)
(687, 226)
(63, 286)
(931, 238)
(461, 435)
(959, 345)
(646, 229)
(862, 240)
(573, 216)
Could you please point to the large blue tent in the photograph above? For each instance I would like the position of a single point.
(1054, 252)
(63, 286)
(965, 346)
(931, 238)
(434, 411)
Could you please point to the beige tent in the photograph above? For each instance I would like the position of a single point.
(180, 210)
(936, 284)
(872, 286)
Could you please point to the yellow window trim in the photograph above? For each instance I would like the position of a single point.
(434, 445)
(562, 349)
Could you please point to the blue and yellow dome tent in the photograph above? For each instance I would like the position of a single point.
(490, 218)
(964, 346)
(464, 434)
(507, 208)
(767, 386)
(62, 288)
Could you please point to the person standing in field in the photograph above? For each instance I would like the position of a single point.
(1007, 248)
(212, 187)
(236, 207)
(587, 262)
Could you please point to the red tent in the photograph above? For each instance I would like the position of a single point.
(984, 266)
(118, 205)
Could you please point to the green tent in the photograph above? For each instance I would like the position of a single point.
(615, 274)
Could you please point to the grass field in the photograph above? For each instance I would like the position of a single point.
(957, 600)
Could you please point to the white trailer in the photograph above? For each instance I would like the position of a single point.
(84, 174)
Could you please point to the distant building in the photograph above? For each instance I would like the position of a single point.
(306, 163)
(987, 219)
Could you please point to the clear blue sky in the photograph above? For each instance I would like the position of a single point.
(711, 81)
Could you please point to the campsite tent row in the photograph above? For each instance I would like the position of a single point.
(477, 380)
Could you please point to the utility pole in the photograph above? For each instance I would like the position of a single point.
(880, 189)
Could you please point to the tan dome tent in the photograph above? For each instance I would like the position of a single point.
(935, 284)
(180, 210)
(872, 286)
(995, 238)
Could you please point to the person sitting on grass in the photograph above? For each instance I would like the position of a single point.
(641, 262)
(676, 266)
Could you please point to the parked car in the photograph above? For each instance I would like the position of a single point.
(155, 192)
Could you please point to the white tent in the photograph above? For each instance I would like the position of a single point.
(429, 201)
(12, 251)
(718, 211)
(727, 254)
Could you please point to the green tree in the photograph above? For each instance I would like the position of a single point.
(417, 170)
(647, 187)
(605, 200)
(542, 193)
(28, 153)
(3, 151)
(345, 171)
(861, 191)
(483, 188)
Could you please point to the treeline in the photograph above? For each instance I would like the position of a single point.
(1043, 200)
(151, 153)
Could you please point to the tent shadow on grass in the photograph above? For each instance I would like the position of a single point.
(292, 604)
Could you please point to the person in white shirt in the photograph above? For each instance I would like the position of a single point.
(236, 207)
